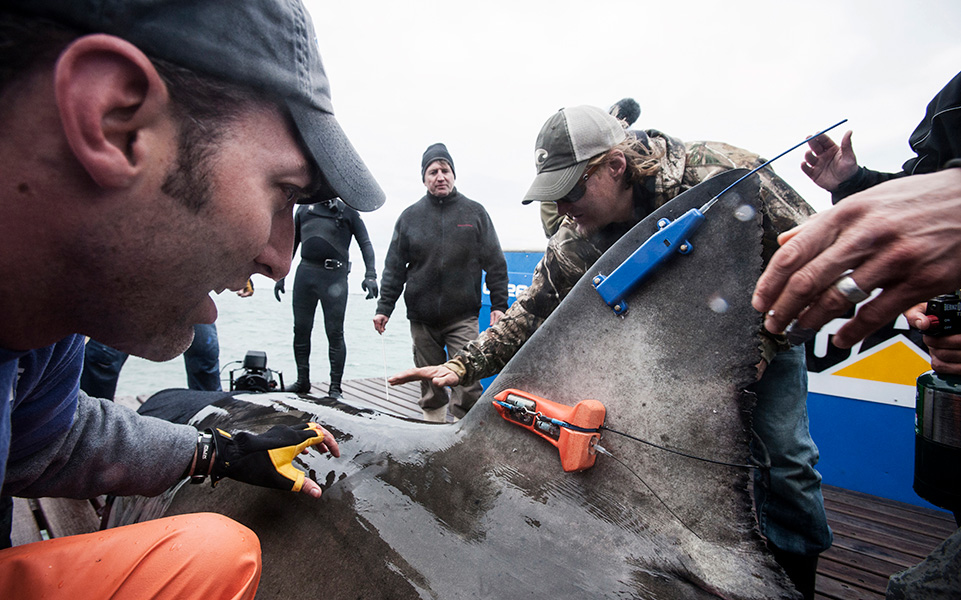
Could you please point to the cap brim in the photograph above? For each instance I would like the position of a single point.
(345, 174)
(550, 186)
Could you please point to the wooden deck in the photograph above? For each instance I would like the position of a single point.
(374, 393)
(873, 537)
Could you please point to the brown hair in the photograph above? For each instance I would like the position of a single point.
(642, 162)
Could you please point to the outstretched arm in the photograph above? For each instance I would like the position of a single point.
(439, 375)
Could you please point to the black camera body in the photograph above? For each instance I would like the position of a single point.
(254, 376)
(945, 311)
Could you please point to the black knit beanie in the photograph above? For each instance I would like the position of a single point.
(434, 152)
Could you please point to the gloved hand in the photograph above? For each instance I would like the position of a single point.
(266, 459)
(279, 289)
(369, 285)
(248, 290)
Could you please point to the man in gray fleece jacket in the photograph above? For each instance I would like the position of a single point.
(440, 246)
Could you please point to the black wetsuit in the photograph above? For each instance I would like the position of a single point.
(324, 234)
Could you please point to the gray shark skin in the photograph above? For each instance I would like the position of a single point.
(482, 508)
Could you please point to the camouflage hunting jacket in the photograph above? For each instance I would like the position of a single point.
(569, 254)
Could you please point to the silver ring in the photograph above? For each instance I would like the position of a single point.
(850, 290)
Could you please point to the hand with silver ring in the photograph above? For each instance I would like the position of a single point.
(850, 289)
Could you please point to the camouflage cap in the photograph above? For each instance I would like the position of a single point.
(566, 142)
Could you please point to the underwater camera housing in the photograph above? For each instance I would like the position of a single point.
(254, 376)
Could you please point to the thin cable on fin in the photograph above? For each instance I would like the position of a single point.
(650, 489)
(679, 453)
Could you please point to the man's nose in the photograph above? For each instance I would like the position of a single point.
(274, 260)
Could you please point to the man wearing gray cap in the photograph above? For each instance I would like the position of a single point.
(604, 181)
(441, 245)
(152, 154)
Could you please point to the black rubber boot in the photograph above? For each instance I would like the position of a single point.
(301, 386)
(801, 569)
(334, 390)
(302, 358)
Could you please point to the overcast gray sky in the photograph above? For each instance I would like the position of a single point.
(483, 76)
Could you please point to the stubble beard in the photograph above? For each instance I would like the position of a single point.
(170, 333)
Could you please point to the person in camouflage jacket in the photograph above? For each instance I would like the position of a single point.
(659, 167)
(570, 254)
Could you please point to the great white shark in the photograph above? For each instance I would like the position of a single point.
(482, 509)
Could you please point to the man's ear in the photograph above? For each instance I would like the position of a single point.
(110, 99)
(617, 163)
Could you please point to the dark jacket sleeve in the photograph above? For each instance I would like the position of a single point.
(298, 216)
(359, 229)
(860, 181)
(935, 141)
(395, 271)
(495, 265)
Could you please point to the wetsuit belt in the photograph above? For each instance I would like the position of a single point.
(331, 264)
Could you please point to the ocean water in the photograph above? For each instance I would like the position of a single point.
(261, 323)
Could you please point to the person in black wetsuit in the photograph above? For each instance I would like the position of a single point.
(324, 230)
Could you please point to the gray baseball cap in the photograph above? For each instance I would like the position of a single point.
(267, 45)
(565, 144)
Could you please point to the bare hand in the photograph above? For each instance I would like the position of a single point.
(945, 351)
(496, 316)
(827, 164)
(311, 487)
(916, 318)
(328, 444)
(380, 323)
(439, 375)
(901, 236)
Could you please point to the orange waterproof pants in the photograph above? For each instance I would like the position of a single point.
(204, 556)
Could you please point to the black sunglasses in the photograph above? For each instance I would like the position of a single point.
(580, 188)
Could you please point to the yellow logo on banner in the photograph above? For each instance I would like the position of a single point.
(897, 363)
(885, 373)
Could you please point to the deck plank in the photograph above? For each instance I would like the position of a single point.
(25, 529)
(863, 531)
(66, 516)
(828, 588)
(873, 539)
(371, 393)
(849, 576)
(933, 523)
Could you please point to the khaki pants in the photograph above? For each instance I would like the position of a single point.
(200, 556)
(429, 349)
